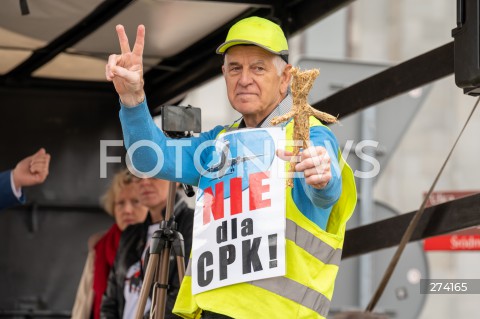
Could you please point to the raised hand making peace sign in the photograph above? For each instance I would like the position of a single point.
(126, 70)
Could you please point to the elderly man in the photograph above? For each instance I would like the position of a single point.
(257, 77)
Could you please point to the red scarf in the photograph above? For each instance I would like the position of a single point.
(105, 251)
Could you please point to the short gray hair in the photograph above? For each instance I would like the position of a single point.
(279, 63)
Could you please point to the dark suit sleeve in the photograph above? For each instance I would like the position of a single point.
(7, 197)
(185, 227)
(109, 308)
(187, 230)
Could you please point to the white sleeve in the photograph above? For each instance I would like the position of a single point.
(16, 191)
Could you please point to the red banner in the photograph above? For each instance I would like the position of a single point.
(466, 239)
(454, 242)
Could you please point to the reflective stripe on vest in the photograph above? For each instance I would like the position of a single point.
(296, 292)
(315, 246)
(300, 293)
(291, 289)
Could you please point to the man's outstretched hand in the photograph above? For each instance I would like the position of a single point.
(32, 170)
(125, 70)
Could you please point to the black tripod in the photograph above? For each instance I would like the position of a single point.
(177, 122)
(158, 263)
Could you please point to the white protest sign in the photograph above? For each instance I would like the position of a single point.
(239, 224)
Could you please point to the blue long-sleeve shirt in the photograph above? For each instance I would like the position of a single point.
(172, 159)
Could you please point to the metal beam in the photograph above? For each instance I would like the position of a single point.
(101, 14)
(402, 78)
(436, 220)
(54, 85)
(252, 3)
(306, 13)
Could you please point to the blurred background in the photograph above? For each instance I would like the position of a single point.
(396, 146)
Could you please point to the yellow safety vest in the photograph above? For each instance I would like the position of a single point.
(312, 261)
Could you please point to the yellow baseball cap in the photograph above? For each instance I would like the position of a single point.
(257, 31)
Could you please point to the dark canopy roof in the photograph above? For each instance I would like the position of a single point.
(63, 45)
